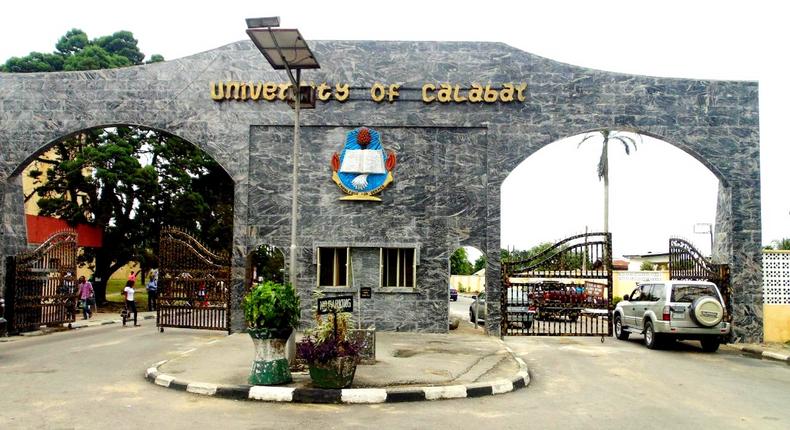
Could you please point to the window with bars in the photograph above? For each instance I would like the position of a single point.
(398, 267)
(333, 267)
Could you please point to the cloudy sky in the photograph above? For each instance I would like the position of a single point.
(732, 40)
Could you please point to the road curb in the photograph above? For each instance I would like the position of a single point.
(343, 396)
(761, 353)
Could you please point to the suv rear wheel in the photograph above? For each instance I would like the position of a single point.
(710, 344)
(651, 338)
(618, 328)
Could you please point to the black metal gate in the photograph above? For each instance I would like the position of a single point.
(41, 288)
(194, 284)
(687, 263)
(565, 290)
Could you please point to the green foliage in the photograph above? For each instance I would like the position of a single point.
(74, 51)
(73, 41)
(616, 300)
(93, 58)
(271, 305)
(269, 263)
(156, 58)
(557, 259)
(459, 263)
(781, 244)
(33, 62)
(646, 265)
(480, 264)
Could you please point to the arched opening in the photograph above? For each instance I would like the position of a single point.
(466, 287)
(118, 186)
(265, 263)
(656, 191)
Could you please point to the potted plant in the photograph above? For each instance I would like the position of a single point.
(331, 352)
(272, 312)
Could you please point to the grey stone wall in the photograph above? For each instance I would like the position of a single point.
(452, 158)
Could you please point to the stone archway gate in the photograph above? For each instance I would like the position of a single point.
(455, 155)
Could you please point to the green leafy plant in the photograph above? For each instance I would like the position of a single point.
(271, 305)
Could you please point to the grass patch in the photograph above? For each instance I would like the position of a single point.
(115, 287)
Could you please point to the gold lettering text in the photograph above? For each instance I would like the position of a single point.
(232, 90)
(217, 91)
(322, 92)
(476, 93)
(255, 90)
(377, 92)
(445, 93)
(283, 93)
(490, 94)
(393, 93)
(269, 91)
(342, 92)
(506, 95)
(520, 88)
(457, 97)
(425, 96)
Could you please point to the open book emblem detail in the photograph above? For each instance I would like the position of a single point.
(363, 168)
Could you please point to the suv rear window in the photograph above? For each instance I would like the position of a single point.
(689, 293)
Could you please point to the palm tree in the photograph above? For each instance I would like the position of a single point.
(603, 163)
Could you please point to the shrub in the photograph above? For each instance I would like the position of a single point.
(271, 305)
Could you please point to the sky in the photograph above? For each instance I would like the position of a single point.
(727, 40)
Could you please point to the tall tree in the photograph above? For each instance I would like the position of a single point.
(603, 164)
(130, 182)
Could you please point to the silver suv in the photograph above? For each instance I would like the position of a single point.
(669, 310)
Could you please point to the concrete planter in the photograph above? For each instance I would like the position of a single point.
(338, 373)
(270, 366)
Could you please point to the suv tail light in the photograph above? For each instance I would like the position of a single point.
(665, 314)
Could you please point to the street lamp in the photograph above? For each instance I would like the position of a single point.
(286, 49)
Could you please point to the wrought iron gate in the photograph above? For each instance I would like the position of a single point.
(41, 284)
(194, 284)
(687, 263)
(565, 290)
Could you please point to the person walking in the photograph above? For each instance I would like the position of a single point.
(152, 291)
(86, 295)
(128, 291)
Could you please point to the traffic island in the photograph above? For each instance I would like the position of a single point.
(410, 367)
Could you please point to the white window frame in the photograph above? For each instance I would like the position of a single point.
(335, 267)
(383, 276)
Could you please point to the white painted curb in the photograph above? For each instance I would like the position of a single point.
(202, 388)
(272, 394)
(448, 392)
(164, 380)
(363, 395)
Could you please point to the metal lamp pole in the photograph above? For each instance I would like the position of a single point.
(270, 43)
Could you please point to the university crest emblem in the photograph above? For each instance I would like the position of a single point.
(362, 169)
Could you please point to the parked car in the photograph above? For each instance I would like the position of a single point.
(670, 310)
(518, 308)
(477, 310)
(453, 294)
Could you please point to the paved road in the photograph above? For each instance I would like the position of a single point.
(92, 378)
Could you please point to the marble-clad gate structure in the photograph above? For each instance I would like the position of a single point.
(452, 157)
